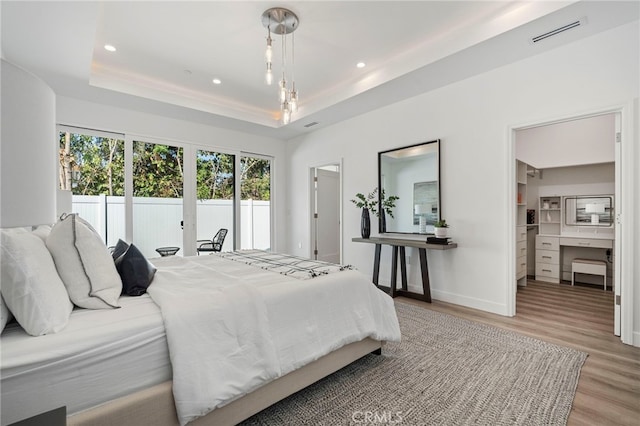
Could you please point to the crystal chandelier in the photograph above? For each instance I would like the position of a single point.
(282, 22)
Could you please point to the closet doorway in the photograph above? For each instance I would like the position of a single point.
(326, 213)
(578, 157)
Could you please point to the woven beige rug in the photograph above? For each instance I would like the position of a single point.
(446, 371)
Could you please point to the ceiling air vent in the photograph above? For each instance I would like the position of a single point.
(313, 123)
(557, 31)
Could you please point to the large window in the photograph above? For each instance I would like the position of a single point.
(92, 168)
(176, 194)
(255, 206)
(215, 195)
(158, 186)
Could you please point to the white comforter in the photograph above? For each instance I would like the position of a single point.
(232, 327)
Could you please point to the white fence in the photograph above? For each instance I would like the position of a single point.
(156, 221)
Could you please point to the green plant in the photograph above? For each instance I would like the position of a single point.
(387, 204)
(441, 224)
(371, 202)
(367, 202)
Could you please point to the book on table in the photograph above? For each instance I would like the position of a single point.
(438, 240)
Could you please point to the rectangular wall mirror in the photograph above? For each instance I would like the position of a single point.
(588, 211)
(411, 173)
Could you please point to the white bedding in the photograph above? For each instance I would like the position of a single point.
(99, 356)
(256, 325)
(282, 323)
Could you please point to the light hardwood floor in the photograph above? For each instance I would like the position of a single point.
(582, 318)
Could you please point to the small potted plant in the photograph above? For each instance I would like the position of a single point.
(440, 228)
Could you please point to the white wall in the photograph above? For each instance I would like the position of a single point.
(472, 118)
(28, 166)
(81, 113)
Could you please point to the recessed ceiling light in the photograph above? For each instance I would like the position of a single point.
(361, 65)
(217, 81)
(109, 48)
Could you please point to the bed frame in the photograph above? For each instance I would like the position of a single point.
(156, 405)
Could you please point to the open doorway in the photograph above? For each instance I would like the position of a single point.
(568, 160)
(326, 228)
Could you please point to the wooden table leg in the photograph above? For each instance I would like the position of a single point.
(394, 272)
(403, 267)
(376, 264)
(426, 288)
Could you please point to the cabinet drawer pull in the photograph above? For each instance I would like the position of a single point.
(584, 243)
(546, 270)
(546, 257)
(546, 244)
(523, 264)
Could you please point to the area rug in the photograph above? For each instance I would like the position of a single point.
(446, 371)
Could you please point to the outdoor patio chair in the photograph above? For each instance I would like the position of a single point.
(213, 245)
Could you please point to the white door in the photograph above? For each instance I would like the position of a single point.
(327, 216)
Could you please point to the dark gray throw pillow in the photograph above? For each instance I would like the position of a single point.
(120, 249)
(135, 270)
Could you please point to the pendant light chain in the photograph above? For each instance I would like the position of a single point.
(286, 22)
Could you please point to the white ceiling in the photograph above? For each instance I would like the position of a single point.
(588, 140)
(169, 52)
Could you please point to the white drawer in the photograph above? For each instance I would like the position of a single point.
(521, 233)
(547, 270)
(521, 248)
(547, 243)
(521, 267)
(586, 242)
(547, 256)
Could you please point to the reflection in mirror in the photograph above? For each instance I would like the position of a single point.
(411, 173)
(588, 211)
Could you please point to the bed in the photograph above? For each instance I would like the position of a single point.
(214, 340)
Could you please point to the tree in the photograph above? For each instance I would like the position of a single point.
(255, 175)
(91, 165)
(214, 176)
(157, 170)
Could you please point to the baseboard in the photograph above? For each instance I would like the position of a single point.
(456, 299)
(470, 302)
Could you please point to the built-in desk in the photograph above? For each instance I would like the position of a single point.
(399, 249)
(549, 253)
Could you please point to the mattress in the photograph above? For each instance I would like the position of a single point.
(101, 355)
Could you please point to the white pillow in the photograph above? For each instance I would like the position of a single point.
(84, 264)
(42, 231)
(5, 314)
(31, 287)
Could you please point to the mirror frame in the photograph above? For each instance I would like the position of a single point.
(607, 213)
(380, 154)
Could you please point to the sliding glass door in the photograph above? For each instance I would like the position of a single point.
(255, 202)
(159, 194)
(92, 168)
(158, 181)
(215, 193)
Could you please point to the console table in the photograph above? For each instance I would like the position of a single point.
(399, 246)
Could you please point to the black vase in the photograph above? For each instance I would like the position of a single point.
(383, 221)
(365, 224)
